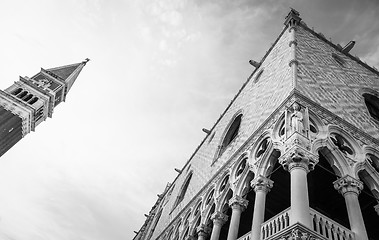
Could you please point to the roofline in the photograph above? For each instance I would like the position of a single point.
(322, 37)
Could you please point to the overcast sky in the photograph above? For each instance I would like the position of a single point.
(160, 71)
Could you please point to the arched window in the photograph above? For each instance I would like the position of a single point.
(231, 134)
(372, 103)
(183, 190)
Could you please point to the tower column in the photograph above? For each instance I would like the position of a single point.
(238, 205)
(218, 219)
(261, 186)
(298, 161)
(350, 188)
(202, 232)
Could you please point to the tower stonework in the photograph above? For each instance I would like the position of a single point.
(295, 156)
(29, 101)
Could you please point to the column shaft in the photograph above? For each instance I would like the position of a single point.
(216, 231)
(299, 197)
(350, 188)
(258, 215)
(234, 223)
(355, 216)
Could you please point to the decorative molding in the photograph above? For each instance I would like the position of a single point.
(261, 183)
(348, 184)
(219, 218)
(238, 202)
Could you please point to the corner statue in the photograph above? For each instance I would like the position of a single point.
(297, 118)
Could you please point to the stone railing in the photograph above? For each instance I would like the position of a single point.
(245, 237)
(275, 224)
(329, 228)
(324, 228)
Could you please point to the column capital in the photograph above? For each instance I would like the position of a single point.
(203, 230)
(261, 183)
(348, 184)
(238, 202)
(298, 157)
(219, 218)
(376, 208)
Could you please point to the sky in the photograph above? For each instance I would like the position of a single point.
(160, 71)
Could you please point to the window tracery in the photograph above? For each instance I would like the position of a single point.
(224, 183)
(342, 144)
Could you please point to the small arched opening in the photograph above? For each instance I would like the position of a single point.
(372, 104)
(231, 134)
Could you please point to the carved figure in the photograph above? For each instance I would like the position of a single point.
(297, 118)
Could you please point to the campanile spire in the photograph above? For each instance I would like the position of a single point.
(29, 101)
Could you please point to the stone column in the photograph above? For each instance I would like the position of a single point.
(261, 186)
(218, 219)
(238, 205)
(299, 162)
(350, 188)
(202, 232)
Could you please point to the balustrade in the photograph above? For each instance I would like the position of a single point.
(323, 225)
(329, 228)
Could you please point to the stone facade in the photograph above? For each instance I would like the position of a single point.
(302, 108)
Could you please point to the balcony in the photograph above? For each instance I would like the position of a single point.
(324, 228)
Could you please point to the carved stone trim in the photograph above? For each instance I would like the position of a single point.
(298, 157)
(219, 218)
(25, 114)
(376, 208)
(203, 230)
(348, 184)
(261, 183)
(297, 232)
(238, 202)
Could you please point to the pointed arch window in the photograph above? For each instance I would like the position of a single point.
(372, 103)
(231, 134)
(183, 190)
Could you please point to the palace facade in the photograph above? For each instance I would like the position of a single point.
(294, 156)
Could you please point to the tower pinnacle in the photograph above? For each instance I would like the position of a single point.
(292, 18)
(29, 101)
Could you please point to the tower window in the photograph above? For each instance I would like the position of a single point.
(372, 103)
(231, 134)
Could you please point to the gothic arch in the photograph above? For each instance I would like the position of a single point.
(236, 167)
(223, 203)
(333, 152)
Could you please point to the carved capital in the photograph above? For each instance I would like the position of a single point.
(298, 157)
(376, 208)
(219, 218)
(348, 184)
(238, 202)
(203, 230)
(261, 183)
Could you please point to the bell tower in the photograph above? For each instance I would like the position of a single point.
(29, 101)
